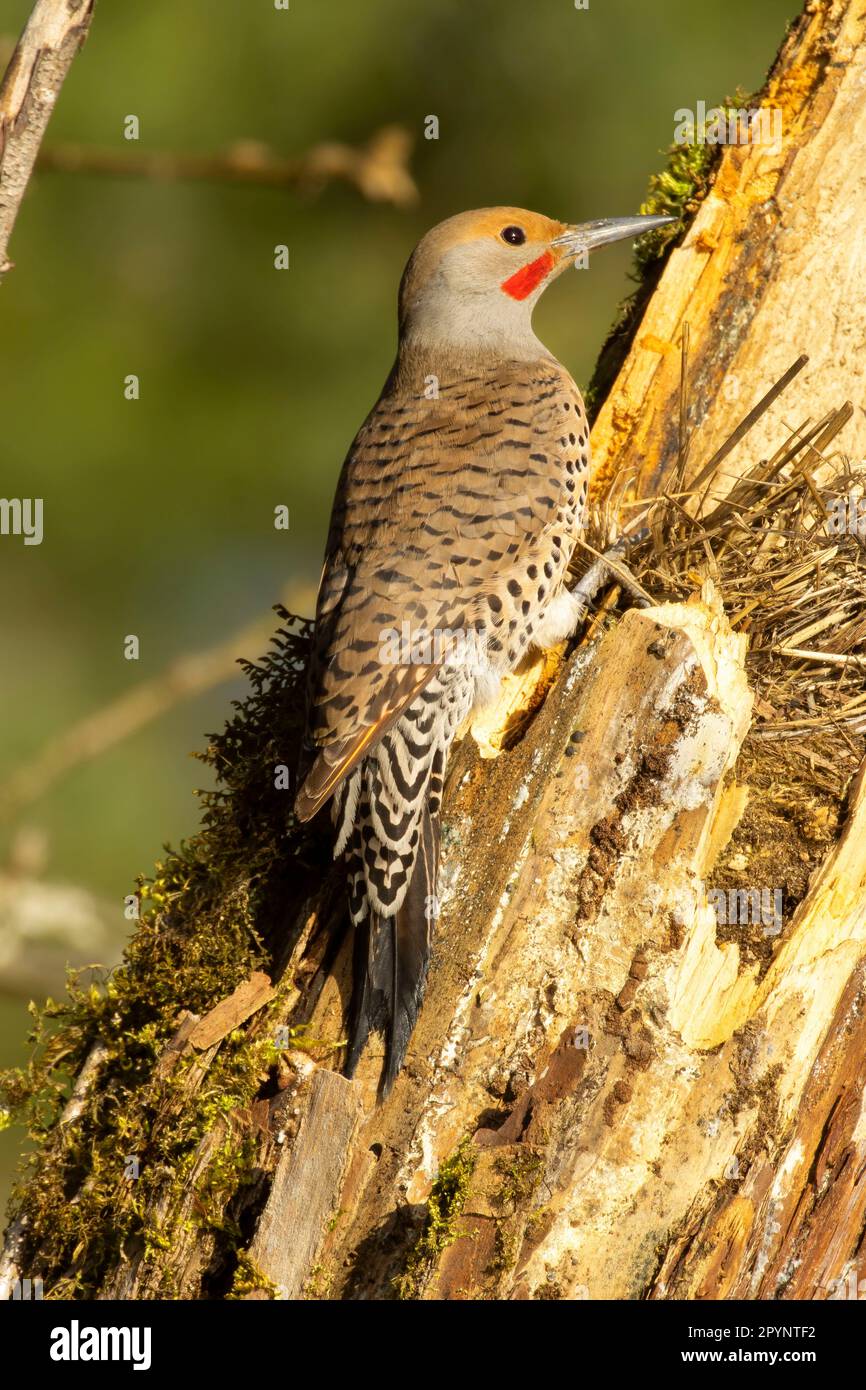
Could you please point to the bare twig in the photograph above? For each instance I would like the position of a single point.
(90, 737)
(53, 35)
(379, 170)
(90, 1069)
(823, 658)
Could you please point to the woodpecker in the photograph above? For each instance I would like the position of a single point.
(453, 523)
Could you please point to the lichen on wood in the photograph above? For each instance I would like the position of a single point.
(645, 1102)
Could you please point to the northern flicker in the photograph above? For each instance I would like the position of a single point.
(452, 527)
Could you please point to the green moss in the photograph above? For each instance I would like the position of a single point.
(212, 912)
(249, 1279)
(507, 1248)
(521, 1174)
(318, 1286)
(444, 1208)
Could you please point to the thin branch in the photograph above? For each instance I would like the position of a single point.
(823, 658)
(53, 35)
(92, 736)
(379, 170)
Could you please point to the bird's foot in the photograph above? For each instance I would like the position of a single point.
(607, 567)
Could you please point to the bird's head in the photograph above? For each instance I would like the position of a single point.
(473, 281)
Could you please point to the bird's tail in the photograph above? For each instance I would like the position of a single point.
(392, 954)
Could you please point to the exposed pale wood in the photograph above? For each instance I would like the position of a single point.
(520, 695)
(597, 894)
(307, 1183)
(788, 1225)
(93, 1064)
(772, 265)
(250, 996)
(653, 1109)
(12, 1257)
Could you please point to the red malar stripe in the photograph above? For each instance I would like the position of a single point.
(528, 277)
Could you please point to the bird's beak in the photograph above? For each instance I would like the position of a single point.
(586, 236)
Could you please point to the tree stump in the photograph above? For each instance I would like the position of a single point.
(613, 1090)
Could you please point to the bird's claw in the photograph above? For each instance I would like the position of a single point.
(601, 572)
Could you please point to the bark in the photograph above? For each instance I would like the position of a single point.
(704, 1137)
(378, 169)
(772, 265)
(38, 68)
(53, 35)
(605, 1096)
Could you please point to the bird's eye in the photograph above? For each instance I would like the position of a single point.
(515, 236)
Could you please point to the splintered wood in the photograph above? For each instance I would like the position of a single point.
(619, 1086)
(653, 1110)
(250, 996)
(308, 1177)
(600, 898)
(772, 265)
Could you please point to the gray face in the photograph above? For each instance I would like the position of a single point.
(464, 303)
(476, 292)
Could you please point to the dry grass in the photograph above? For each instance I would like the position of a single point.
(768, 537)
(789, 577)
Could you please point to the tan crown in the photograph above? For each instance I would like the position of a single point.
(452, 285)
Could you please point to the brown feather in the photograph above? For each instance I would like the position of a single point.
(336, 761)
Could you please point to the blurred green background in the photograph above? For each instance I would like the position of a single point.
(159, 512)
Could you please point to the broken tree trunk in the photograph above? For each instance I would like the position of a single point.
(611, 1092)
